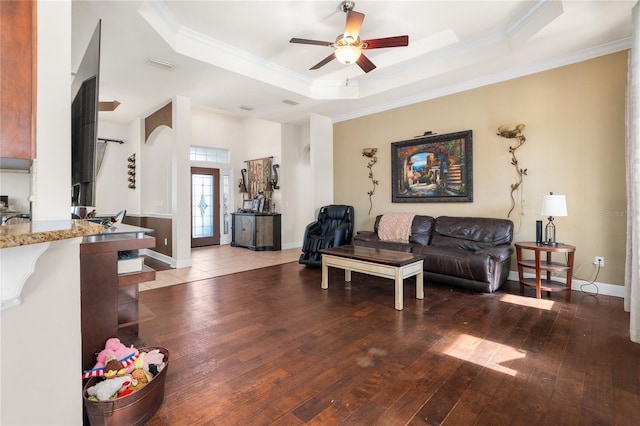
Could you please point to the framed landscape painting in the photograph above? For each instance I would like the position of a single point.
(433, 169)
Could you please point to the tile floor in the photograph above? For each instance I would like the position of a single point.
(214, 261)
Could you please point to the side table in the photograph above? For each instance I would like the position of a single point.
(540, 265)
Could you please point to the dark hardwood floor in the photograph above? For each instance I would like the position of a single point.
(269, 347)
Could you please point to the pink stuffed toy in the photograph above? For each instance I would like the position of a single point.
(153, 358)
(114, 349)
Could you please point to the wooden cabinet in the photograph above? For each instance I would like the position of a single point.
(109, 301)
(256, 231)
(18, 83)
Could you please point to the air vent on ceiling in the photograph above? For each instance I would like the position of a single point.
(290, 102)
(159, 63)
(246, 108)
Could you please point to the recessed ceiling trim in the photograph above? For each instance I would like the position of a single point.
(198, 46)
(533, 19)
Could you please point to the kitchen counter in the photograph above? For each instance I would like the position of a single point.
(46, 231)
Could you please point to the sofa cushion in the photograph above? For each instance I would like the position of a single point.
(459, 263)
(471, 233)
(371, 239)
(421, 228)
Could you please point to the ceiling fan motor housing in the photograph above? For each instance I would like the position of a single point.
(347, 6)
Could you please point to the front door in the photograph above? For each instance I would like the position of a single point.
(205, 206)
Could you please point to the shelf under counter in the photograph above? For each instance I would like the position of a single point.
(130, 278)
(109, 301)
(131, 312)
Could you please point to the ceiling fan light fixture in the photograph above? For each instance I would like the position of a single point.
(348, 54)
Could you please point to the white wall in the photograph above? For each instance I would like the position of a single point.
(294, 195)
(212, 129)
(52, 174)
(181, 182)
(111, 180)
(155, 172)
(49, 317)
(321, 143)
(300, 195)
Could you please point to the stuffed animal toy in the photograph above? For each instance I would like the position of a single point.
(114, 351)
(106, 389)
(153, 361)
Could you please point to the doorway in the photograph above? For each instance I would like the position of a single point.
(205, 206)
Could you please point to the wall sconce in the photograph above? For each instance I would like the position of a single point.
(552, 205)
(274, 181)
(371, 154)
(131, 171)
(514, 131)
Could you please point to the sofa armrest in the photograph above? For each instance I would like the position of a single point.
(499, 253)
(311, 229)
(341, 235)
(368, 236)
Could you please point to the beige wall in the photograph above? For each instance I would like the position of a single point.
(575, 129)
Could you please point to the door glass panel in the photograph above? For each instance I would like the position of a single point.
(225, 203)
(202, 205)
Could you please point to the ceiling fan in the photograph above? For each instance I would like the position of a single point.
(348, 46)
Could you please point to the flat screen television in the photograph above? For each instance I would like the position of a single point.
(84, 124)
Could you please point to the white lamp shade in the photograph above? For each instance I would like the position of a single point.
(553, 205)
(348, 54)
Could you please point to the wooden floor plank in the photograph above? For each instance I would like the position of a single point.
(269, 347)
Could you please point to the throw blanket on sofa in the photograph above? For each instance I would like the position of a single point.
(395, 227)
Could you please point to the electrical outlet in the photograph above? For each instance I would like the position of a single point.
(599, 261)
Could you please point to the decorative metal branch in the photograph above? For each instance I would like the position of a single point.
(274, 181)
(371, 154)
(243, 182)
(512, 131)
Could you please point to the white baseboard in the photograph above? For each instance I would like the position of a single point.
(291, 245)
(581, 285)
(159, 256)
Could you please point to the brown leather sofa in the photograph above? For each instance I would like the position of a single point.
(470, 252)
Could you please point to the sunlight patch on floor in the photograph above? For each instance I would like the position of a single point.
(530, 302)
(464, 347)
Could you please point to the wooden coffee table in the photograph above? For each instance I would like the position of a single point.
(395, 265)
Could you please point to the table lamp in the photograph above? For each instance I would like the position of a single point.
(552, 205)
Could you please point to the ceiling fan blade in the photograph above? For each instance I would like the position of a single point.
(364, 63)
(378, 43)
(314, 42)
(353, 25)
(324, 62)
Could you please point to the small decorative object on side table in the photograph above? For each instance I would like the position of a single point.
(540, 265)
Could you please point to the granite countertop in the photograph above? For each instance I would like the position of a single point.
(46, 231)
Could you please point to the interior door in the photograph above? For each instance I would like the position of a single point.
(205, 207)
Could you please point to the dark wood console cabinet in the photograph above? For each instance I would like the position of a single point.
(109, 301)
(256, 231)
